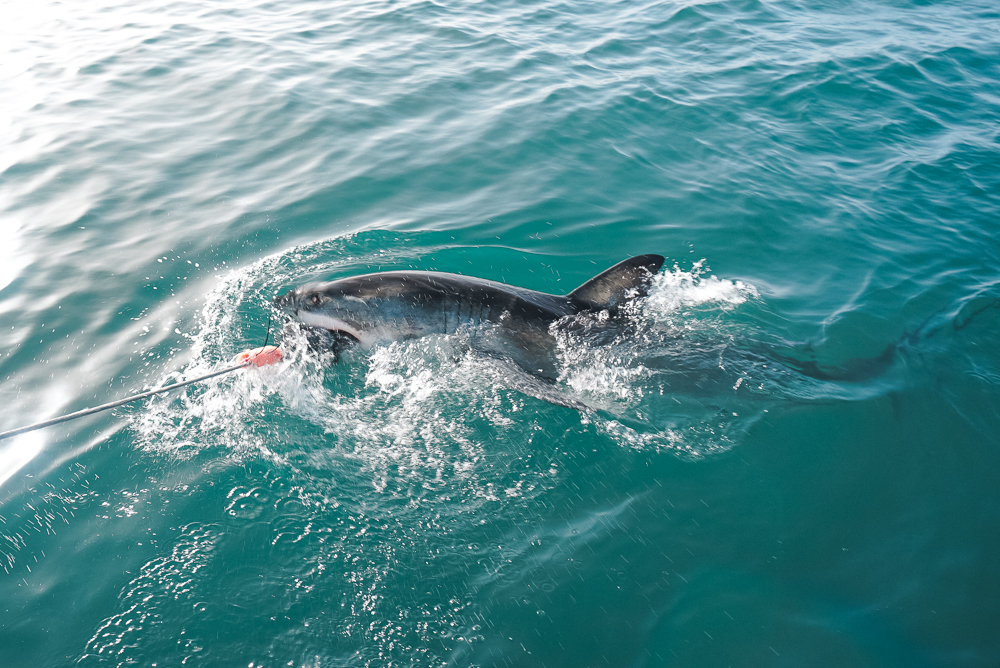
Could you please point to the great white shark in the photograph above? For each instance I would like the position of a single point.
(400, 305)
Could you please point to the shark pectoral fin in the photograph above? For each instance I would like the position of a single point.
(618, 284)
(508, 373)
(539, 389)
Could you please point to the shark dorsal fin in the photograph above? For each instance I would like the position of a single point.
(618, 284)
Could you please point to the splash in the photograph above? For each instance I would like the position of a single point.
(676, 290)
(165, 587)
(669, 375)
(428, 410)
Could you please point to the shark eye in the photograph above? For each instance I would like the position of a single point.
(314, 299)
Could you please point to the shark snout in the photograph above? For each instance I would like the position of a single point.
(286, 302)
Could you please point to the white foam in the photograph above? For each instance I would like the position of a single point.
(676, 290)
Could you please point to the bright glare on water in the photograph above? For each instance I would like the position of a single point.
(787, 454)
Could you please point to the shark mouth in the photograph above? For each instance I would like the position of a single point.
(341, 337)
(336, 327)
(322, 340)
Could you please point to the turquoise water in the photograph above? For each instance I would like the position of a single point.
(795, 451)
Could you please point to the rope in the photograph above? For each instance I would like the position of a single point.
(120, 402)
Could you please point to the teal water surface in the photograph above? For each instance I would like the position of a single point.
(794, 457)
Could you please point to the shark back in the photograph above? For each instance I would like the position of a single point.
(475, 298)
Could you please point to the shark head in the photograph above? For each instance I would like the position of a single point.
(331, 307)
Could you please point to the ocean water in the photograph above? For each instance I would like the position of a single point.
(794, 453)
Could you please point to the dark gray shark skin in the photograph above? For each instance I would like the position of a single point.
(399, 305)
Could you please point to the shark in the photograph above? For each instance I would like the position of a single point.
(389, 306)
